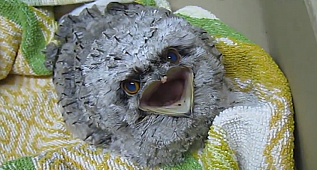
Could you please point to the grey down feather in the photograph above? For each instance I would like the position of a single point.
(98, 51)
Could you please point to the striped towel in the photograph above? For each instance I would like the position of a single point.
(33, 135)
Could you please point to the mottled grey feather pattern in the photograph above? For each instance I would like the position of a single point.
(97, 52)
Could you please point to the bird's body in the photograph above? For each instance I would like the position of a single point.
(121, 76)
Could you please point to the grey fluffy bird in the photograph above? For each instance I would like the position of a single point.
(138, 80)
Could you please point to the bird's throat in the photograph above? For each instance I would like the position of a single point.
(173, 95)
(166, 94)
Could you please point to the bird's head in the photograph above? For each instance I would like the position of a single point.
(145, 82)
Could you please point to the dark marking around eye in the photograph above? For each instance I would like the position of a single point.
(185, 52)
(165, 54)
(122, 94)
(137, 70)
(134, 76)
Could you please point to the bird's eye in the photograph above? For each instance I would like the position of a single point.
(131, 86)
(173, 56)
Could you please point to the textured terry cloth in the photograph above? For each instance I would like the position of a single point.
(33, 135)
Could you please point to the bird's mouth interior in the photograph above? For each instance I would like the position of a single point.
(173, 95)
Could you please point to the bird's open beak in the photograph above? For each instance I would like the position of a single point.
(172, 96)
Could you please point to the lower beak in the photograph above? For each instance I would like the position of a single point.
(172, 96)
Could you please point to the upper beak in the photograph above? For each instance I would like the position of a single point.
(172, 96)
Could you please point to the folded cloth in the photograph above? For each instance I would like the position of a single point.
(33, 135)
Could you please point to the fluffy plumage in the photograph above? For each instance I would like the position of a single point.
(97, 52)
